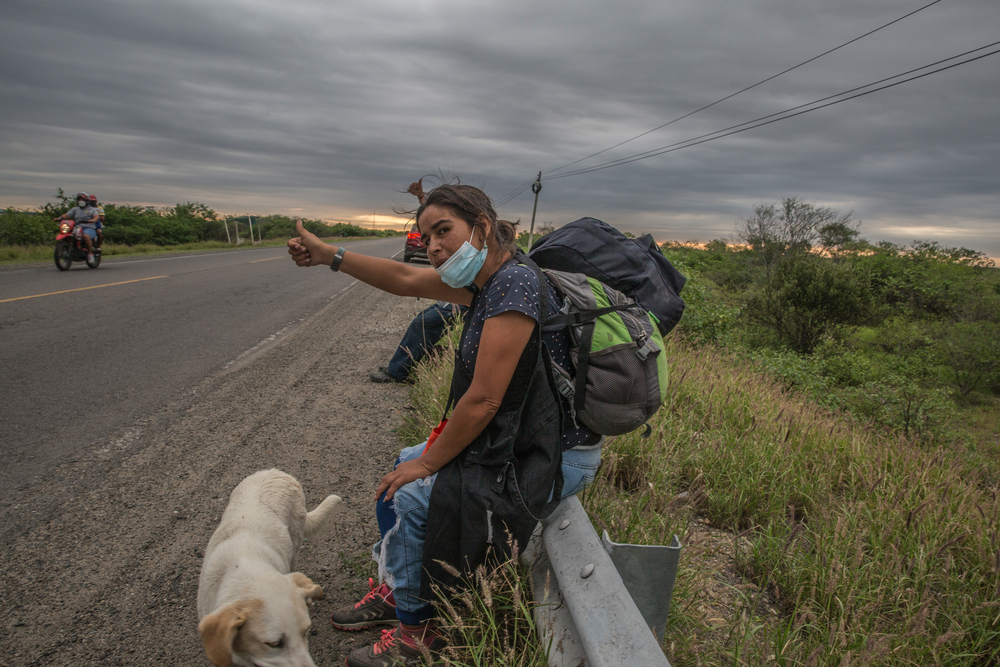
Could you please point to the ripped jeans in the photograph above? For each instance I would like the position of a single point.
(400, 553)
(403, 525)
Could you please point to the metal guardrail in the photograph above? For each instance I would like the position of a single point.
(590, 590)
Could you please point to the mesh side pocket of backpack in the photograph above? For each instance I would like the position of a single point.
(617, 378)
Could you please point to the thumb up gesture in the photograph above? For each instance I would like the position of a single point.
(307, 250)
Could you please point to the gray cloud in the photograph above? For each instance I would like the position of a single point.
(334, 107)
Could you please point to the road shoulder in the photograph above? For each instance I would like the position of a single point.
(102, 554)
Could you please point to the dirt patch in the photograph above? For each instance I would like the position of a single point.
(723, 597)
(101, 555)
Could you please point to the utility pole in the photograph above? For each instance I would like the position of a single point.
(536, 187)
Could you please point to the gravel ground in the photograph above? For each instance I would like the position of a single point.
(101, 555)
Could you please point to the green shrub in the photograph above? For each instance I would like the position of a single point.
(902, 404)
(930, 281)
(26, 228)
(806, 297)
(971, 352)
(707, 314)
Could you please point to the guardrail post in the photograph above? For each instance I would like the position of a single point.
(586, 614)
(648, 572)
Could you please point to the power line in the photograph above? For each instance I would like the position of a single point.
(514, 194)
(770, 78)
(632, 158)
(784, 115)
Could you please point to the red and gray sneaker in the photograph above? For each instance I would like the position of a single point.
(397, 647)
(376, 608)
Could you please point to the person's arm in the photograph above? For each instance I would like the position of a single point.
(417, 190)
(503, 341)
(385, 274)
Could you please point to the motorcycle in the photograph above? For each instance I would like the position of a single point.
(70, 248)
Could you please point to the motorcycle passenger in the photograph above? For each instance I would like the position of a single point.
(86, 218)
(100, 221)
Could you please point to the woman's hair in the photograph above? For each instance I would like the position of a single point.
(470, 203)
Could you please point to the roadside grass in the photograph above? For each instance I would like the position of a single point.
(491, 622)
(982, 423)
(18, 254)
(430, 388)
(869, 549)
(875, 550)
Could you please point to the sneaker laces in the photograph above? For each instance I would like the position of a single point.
(374, 594)
(371, 595)
(386, 642)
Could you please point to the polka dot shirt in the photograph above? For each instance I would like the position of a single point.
(515, 287)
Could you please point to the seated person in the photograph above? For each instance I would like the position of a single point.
(498, 465)
(423, 333)
(100, 221)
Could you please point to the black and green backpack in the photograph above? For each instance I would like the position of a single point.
(619, 374)
(620, 296)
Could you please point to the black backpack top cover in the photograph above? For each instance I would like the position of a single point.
(635, 267)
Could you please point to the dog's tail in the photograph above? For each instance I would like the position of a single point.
(316, 519)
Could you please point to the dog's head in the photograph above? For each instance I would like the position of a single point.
(270, 630)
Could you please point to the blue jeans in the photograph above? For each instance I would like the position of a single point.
(423, 333)
(403, 525)
(579, 466)
(400, 552)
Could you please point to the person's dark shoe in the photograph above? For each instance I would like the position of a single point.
(375, 608)
(382, 376)
(396, 647)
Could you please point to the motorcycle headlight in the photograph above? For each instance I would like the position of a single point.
(64, 228)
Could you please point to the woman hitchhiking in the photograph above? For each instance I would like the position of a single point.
(494, 469)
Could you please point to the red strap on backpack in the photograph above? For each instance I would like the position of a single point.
(435, 432)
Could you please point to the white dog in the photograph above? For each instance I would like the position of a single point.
(251, 604)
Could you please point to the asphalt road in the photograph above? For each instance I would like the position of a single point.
(84, 352)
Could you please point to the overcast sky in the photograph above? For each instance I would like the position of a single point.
(329, 109)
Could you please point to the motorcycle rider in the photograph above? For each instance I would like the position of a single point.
(100, 221)
(86, 218)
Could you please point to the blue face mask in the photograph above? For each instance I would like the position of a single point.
(462, 267)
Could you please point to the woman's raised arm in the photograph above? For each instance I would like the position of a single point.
(387, 275)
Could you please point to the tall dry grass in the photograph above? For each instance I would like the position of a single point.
(877, 551)
(873, 549)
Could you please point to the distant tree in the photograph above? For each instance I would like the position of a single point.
(192, 211)
(932, 250)
(717, 246)
(777, 231)
(838, 236)
(540, 231)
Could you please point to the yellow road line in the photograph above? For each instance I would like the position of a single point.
(266, 260)
(80, 289)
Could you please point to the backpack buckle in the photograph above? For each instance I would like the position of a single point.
(649, 348)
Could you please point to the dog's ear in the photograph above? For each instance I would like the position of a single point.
(310, 590)
(218, 630)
